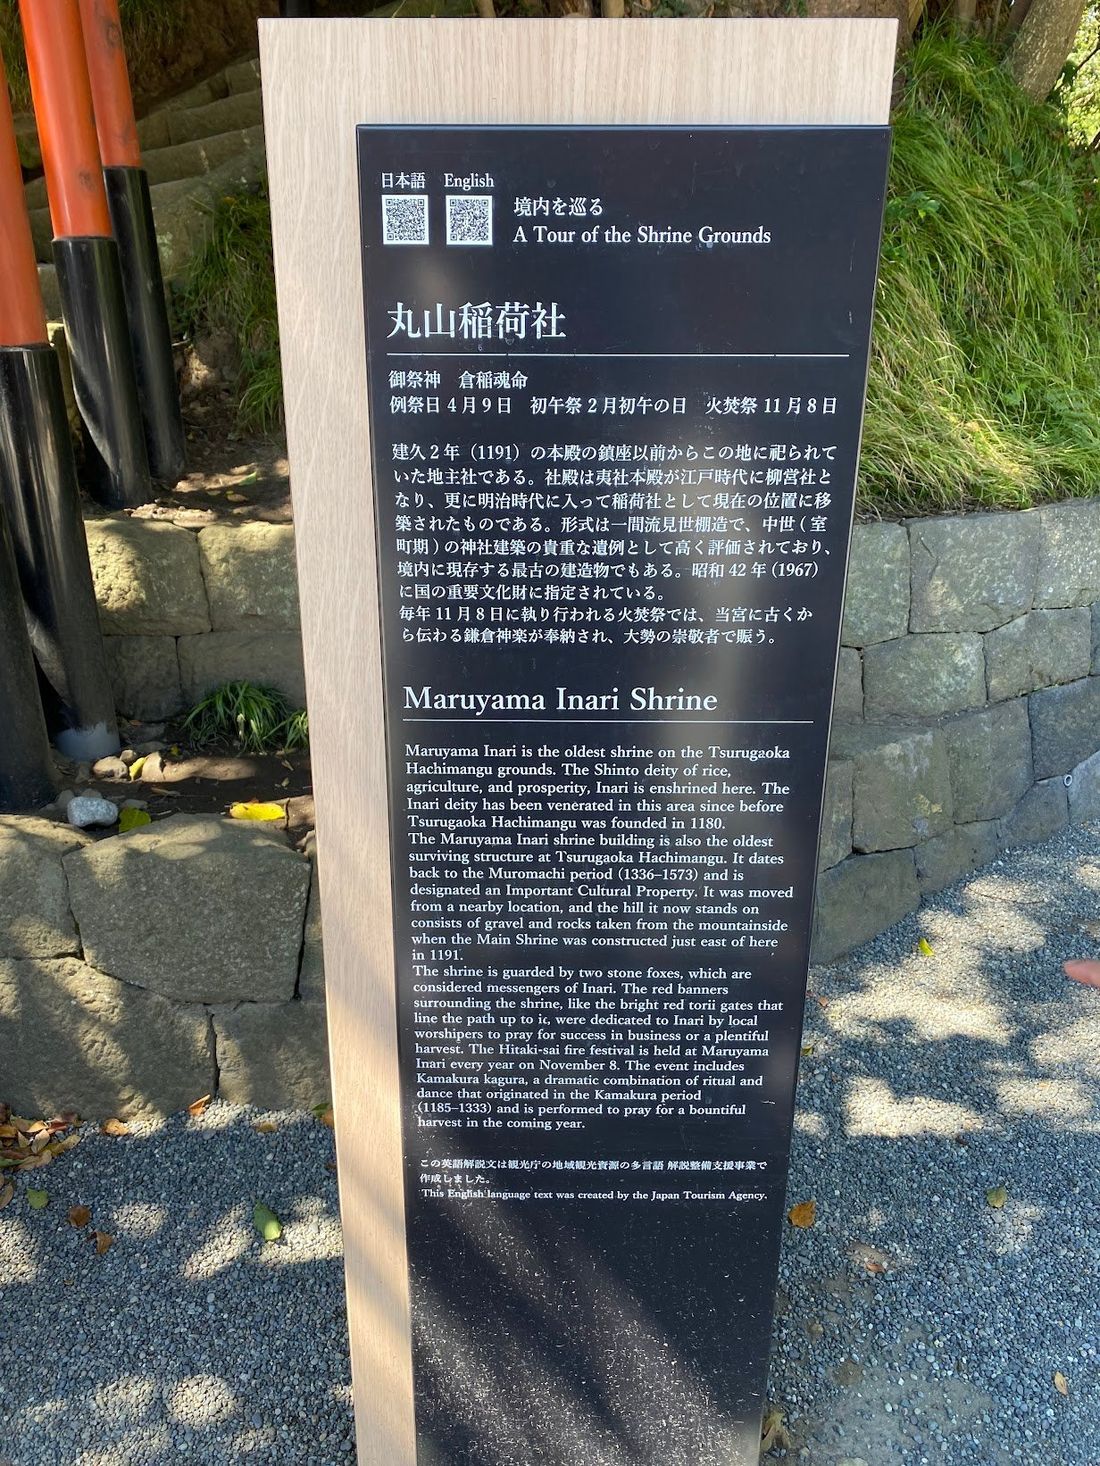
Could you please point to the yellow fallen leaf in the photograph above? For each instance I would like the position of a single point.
(997, 1197)
(266, 1222)
(925, 948)
(114, 1127)
(133, 819)
(265, 1127)
(807, 1051)
(803, 1215)
(773, 1432)
(137, 766)
(256, 810)
(1061, 1384)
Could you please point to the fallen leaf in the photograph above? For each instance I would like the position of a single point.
(997, 1197)
(823, 1002)
(103, 1241)
(871, 1259)
(925, 948)
(36, 1200)
(250, 478)
(199, 1105)
(114, 1127)
(773, 1432)
(137, 766)
(265, 1127)
(40, 1142)
(59, 1147)
(266, 1222)
(80, 1216)
(1061, 1384)
(807, 1051)
(7, 1191)
(236, 498)
(255, 809)
(133, 819)
(803, 1215)
(33, 1162)
(325, 1115)
(8, 1132)
(330, 1165)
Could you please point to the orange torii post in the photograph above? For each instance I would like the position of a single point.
(89, 275)
(131, 212)
(26, 773)
(40, 500)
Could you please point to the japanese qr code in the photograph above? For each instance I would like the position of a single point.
(404, 218)
(469, 218)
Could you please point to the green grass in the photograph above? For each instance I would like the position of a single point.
(256, 719)
(984, 386)
(147, 26)
(230, 285)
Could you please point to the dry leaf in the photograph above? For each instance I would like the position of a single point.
(59, 1147)
(40, 1142)
(265, 1127)
(32, 1162)
(807, 1051)
(256, 810)
(925, 948)
(997, 1197)
(773, 1433)
(1061, 1384)
(823, 1002)
(7, 1191)
(103, 1241)
(79, 1216)
(199, 1105)
(803, 1215)
(325, 1115)
(8, 1132)
(114, 1127)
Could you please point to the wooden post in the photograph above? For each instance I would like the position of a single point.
(321, 79)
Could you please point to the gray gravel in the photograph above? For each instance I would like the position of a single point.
(931, 1081)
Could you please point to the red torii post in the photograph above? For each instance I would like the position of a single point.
(88, 272)
(40, 500)
(131, 211)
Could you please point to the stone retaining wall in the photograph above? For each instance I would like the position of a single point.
(967, 714)
(139, 972)
(183, 611)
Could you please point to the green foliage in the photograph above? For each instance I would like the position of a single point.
(147, 26)
(256, 719)
(1079, 90)
(230, 285)
(984, 387)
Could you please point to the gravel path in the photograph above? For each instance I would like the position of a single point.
(932, 1081)
(918, 1325)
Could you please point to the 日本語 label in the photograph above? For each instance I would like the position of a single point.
(616, 384)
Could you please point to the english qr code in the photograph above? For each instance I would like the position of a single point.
(469, 218)
(404, 218)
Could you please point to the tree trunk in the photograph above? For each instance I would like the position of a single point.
(1043, 44)
(612, 9)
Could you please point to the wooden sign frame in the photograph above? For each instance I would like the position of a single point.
(320, 79)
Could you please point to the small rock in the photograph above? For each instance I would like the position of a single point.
(128, 755)
(152, 770)
(109, 768)
(82, 773)
(152, 745)
(63, 800)
(134, 804)
(88, 809)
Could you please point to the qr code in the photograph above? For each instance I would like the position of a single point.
(469, 218)
(404, 218)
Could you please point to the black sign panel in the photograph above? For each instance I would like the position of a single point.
(616, 386)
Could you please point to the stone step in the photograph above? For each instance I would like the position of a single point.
(180, 208)
(185, 160)
(233, 113)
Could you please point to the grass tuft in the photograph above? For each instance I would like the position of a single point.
(230, 286)
(256, 719)
(984, 386)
